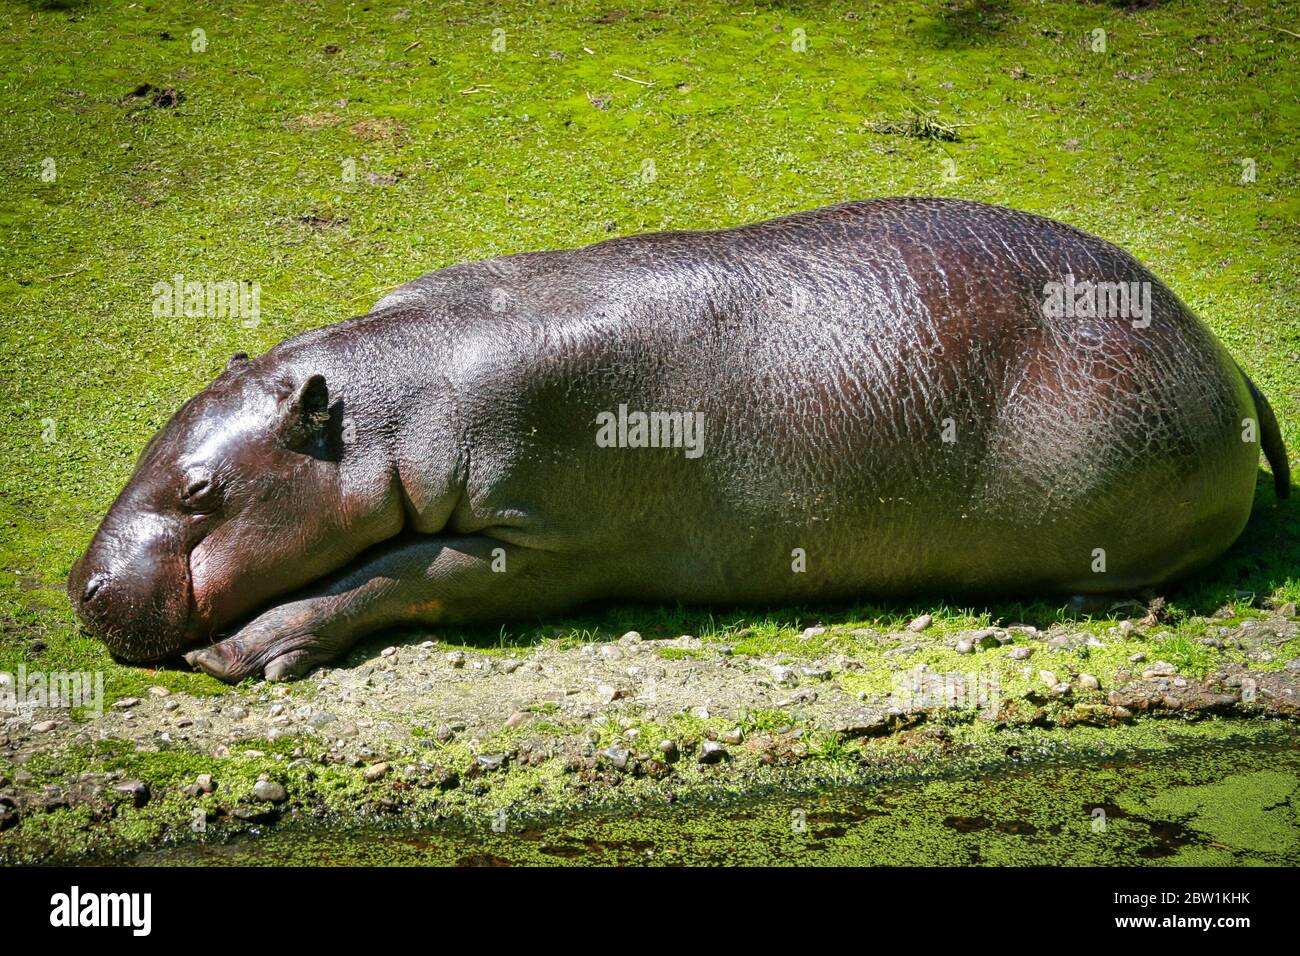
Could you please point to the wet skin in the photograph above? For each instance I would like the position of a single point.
(887, 409)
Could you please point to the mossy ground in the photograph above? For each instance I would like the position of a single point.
(591, 121)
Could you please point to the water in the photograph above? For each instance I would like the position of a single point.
(1227, 801)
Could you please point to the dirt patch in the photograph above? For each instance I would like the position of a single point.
(320, 119)
(384, 131)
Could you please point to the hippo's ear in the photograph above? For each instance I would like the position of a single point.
(306, 413)
(239, 358)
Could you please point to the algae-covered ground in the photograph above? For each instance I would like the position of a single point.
(330, 151)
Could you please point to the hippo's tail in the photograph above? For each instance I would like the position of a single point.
(1271, 436)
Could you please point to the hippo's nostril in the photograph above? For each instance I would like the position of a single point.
(92, 588)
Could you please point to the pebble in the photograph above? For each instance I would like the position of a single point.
(491, 761)
(126, 703)
(388, 652)
(1088, 682)
(44, 726)
(631, 637)
(1137, 658)
(205, 783)
(617, 757)
(456, 659)
(812, 632)
(277, 710)
(137, 790)
(784, 675)
(607, 693)
(920, 623)
(1048, 678)
(965, 646)
(1127, 628)
(734, 736)
(1021, 653)
(815, 673)
(236, 712)
(157, 691)
(987, 638)
(170, 705)
(375, 771)
(713, 752)
(320, 719)
(669, 749)
(268, 791)
(517, 719)
(1159, 669)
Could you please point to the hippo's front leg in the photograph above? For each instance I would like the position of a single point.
(424, 581)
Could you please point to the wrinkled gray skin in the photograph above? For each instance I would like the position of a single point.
(436, 460)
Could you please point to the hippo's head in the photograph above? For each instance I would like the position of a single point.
(240, 498)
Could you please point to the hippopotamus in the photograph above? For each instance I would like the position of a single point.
(880, 399)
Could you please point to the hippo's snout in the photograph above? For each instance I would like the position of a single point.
(135, 600)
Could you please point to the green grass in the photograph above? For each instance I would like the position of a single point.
(461, 152)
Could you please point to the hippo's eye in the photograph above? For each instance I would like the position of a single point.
(200, 496)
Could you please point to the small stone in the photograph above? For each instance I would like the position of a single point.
(236, 712)
(137, 790)
(1061, 689)
(631, 637)
(517, 719)
(965, 646)
(812, 632)
(491, 761)
(1021, 653)
(1127, 628)
(782, 674)
(456, 659)
(158, 691)
(988, 638)
(277, 710)
(320, 719)
(607, 693)
(44, 726)
(669, 749)
(1137, 658)
(388, 652)
(920, 623)
(205, 783)
(1048, 678)
(616, 757)
(1088, 682)
(733, 736)
(170, 705)
(815, 673)
(1159, 669)
(268, 791)
(126, 703)
(713, 752)
(375, 772)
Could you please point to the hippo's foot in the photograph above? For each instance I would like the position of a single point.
(423, 581)
(280, 644)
